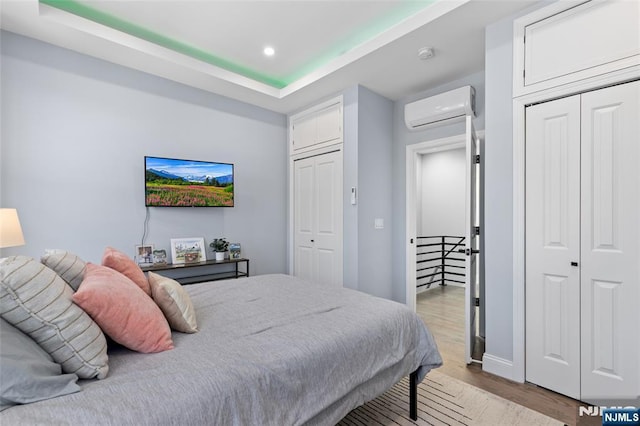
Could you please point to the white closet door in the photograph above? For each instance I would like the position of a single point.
(328, 239)
(318, 218)
(304, 226)
(610, 262)
(553, 245)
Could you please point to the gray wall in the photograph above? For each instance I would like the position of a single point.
(499, 190)
(403, 137)
(74, 133)
(375, 132)
(498, 210)
(350, 179)
(441, 193)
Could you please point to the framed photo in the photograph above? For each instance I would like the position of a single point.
(144, 255)
(160, 257)
(188, 250)
(234, 250)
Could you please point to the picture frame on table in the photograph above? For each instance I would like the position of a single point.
(188, 250)
(159, 257)
(235, 251)
(144, 254)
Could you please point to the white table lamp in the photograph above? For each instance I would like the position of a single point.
(10, 230)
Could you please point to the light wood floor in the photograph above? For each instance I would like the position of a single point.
(442, 309)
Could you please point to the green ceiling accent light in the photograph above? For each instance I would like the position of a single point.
(403, 10)
(111, 21)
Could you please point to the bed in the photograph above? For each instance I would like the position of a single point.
(270, 350)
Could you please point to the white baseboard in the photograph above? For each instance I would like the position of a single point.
(498, 366)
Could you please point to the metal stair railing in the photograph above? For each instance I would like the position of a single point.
(442, 267)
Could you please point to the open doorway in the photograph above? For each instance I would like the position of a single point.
(440, 220)
(443, 256)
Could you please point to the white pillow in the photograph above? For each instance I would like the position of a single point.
(67, 265)
(174, 302)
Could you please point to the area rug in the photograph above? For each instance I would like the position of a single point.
(443, 400)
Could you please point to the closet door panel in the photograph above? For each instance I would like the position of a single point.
(304, 220)
(304, 132)
(576, 41)
(610, 222)
(330, 124)
(328, 241)
(552, 245)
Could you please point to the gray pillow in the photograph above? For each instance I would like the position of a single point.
(67, 265)
(28, 373)
(38, 302)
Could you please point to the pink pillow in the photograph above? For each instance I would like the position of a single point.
(122, 310)
(122, 263)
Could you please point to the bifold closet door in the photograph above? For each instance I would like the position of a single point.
(318, 218)
(304, 226)
(583, 245)
(553, 245)
(610, 255)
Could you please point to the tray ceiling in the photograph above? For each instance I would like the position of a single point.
(320, 47)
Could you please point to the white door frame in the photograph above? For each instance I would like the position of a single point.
(412, 156)
(517, 372)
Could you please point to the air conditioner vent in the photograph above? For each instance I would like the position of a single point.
(444, 108)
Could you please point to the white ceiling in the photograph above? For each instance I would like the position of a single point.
(322, 46)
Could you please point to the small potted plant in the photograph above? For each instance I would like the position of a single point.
(220, 246)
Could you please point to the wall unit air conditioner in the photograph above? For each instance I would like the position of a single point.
(444, 108)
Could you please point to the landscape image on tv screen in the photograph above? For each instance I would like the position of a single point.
(170, 182)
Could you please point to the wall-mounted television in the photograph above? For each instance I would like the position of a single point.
(170, 182)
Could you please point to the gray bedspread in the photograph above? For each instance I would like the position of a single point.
(271, 350)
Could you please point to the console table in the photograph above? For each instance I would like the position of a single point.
(195, 273)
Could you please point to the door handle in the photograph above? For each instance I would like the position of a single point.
(574, 263)
(312, 241)
(468, 252)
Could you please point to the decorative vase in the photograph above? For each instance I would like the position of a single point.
(219, 255)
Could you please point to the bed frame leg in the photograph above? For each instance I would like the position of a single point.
(413, 395)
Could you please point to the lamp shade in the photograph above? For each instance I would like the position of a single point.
(10, 230)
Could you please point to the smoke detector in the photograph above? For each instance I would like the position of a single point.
(425, 53)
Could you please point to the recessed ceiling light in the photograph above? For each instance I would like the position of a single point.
(269, 51)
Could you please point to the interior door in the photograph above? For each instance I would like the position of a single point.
(304, 227)
(610, 256)
(553, 245)
(318, 218)
(328, 207)
(471, 238)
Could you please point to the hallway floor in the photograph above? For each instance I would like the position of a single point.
(442, 309)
